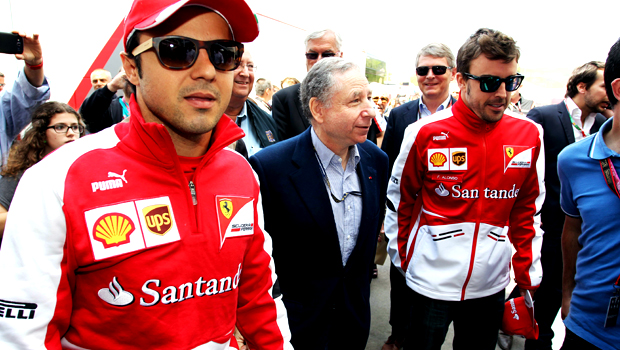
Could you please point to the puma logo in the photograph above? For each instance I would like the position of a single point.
(112, 174)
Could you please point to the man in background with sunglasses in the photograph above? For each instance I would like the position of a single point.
(563, 124)
(590, 197)
(435, 69)
(377, 127)
(467, 183)
(286, 108)
(149, 234)
(323, 194)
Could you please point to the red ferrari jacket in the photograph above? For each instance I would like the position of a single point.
(461, 191)
(108, 246)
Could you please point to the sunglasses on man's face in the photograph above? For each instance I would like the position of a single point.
(179, 52)
(377, 99)
(437, 70)
(490, 83)
(315, 55)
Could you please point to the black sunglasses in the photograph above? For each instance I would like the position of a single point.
(315, 55)
(490, 83)
(437, 70)
(179, 52)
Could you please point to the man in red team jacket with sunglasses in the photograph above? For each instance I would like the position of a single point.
(468, 182)
(138, 238)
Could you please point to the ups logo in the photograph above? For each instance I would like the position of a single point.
(458, 158)
(158, 219)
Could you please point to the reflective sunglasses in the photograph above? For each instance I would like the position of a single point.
(382, 98)
(437, 70)
(315, 55)
(490, 83)
(179, 52)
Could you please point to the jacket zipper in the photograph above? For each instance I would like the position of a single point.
(192, 191)
(477, 227)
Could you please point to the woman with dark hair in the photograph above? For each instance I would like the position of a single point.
(53, 125)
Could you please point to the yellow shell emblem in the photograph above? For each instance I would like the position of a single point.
(438, 159)
(113, 229)
(226, 207)
(510, 152)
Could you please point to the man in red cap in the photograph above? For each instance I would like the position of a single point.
(138, 238)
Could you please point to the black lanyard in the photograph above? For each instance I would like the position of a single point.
(329, 186)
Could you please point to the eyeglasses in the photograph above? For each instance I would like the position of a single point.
(315, 55)
(250, 66)
(2, 84)
(63, 129)
(377, 98)
(437, 70)
(490, 83)
(179, 52)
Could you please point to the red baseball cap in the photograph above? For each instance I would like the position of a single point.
(147, 14)
(519, 317)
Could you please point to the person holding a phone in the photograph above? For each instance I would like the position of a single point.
(29, 90)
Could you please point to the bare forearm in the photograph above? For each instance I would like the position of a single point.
(570, 248)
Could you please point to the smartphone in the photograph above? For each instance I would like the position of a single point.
(11, 43)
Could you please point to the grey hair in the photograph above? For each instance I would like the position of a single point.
(437, 50)
(262, 86)
(321, 82)
(1, 74)
(321, 33)
(107, 73)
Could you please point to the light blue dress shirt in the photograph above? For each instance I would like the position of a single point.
(348, 213)
(252, 143)
(17, 105)
(425, 112)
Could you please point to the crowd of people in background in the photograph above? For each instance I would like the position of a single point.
(253, 211)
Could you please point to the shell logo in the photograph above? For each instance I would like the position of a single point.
(438, 159)
(113, 229)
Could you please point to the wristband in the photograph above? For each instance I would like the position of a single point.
(35, 67)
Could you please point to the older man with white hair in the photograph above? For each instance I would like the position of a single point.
(323, 193)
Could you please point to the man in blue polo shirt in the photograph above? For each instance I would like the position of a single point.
(590, 197)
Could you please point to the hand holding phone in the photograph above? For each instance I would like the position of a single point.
(11, 43)
(26, 48)
(32, 54)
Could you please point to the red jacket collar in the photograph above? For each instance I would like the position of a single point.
(470, 120)
(153, 141)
